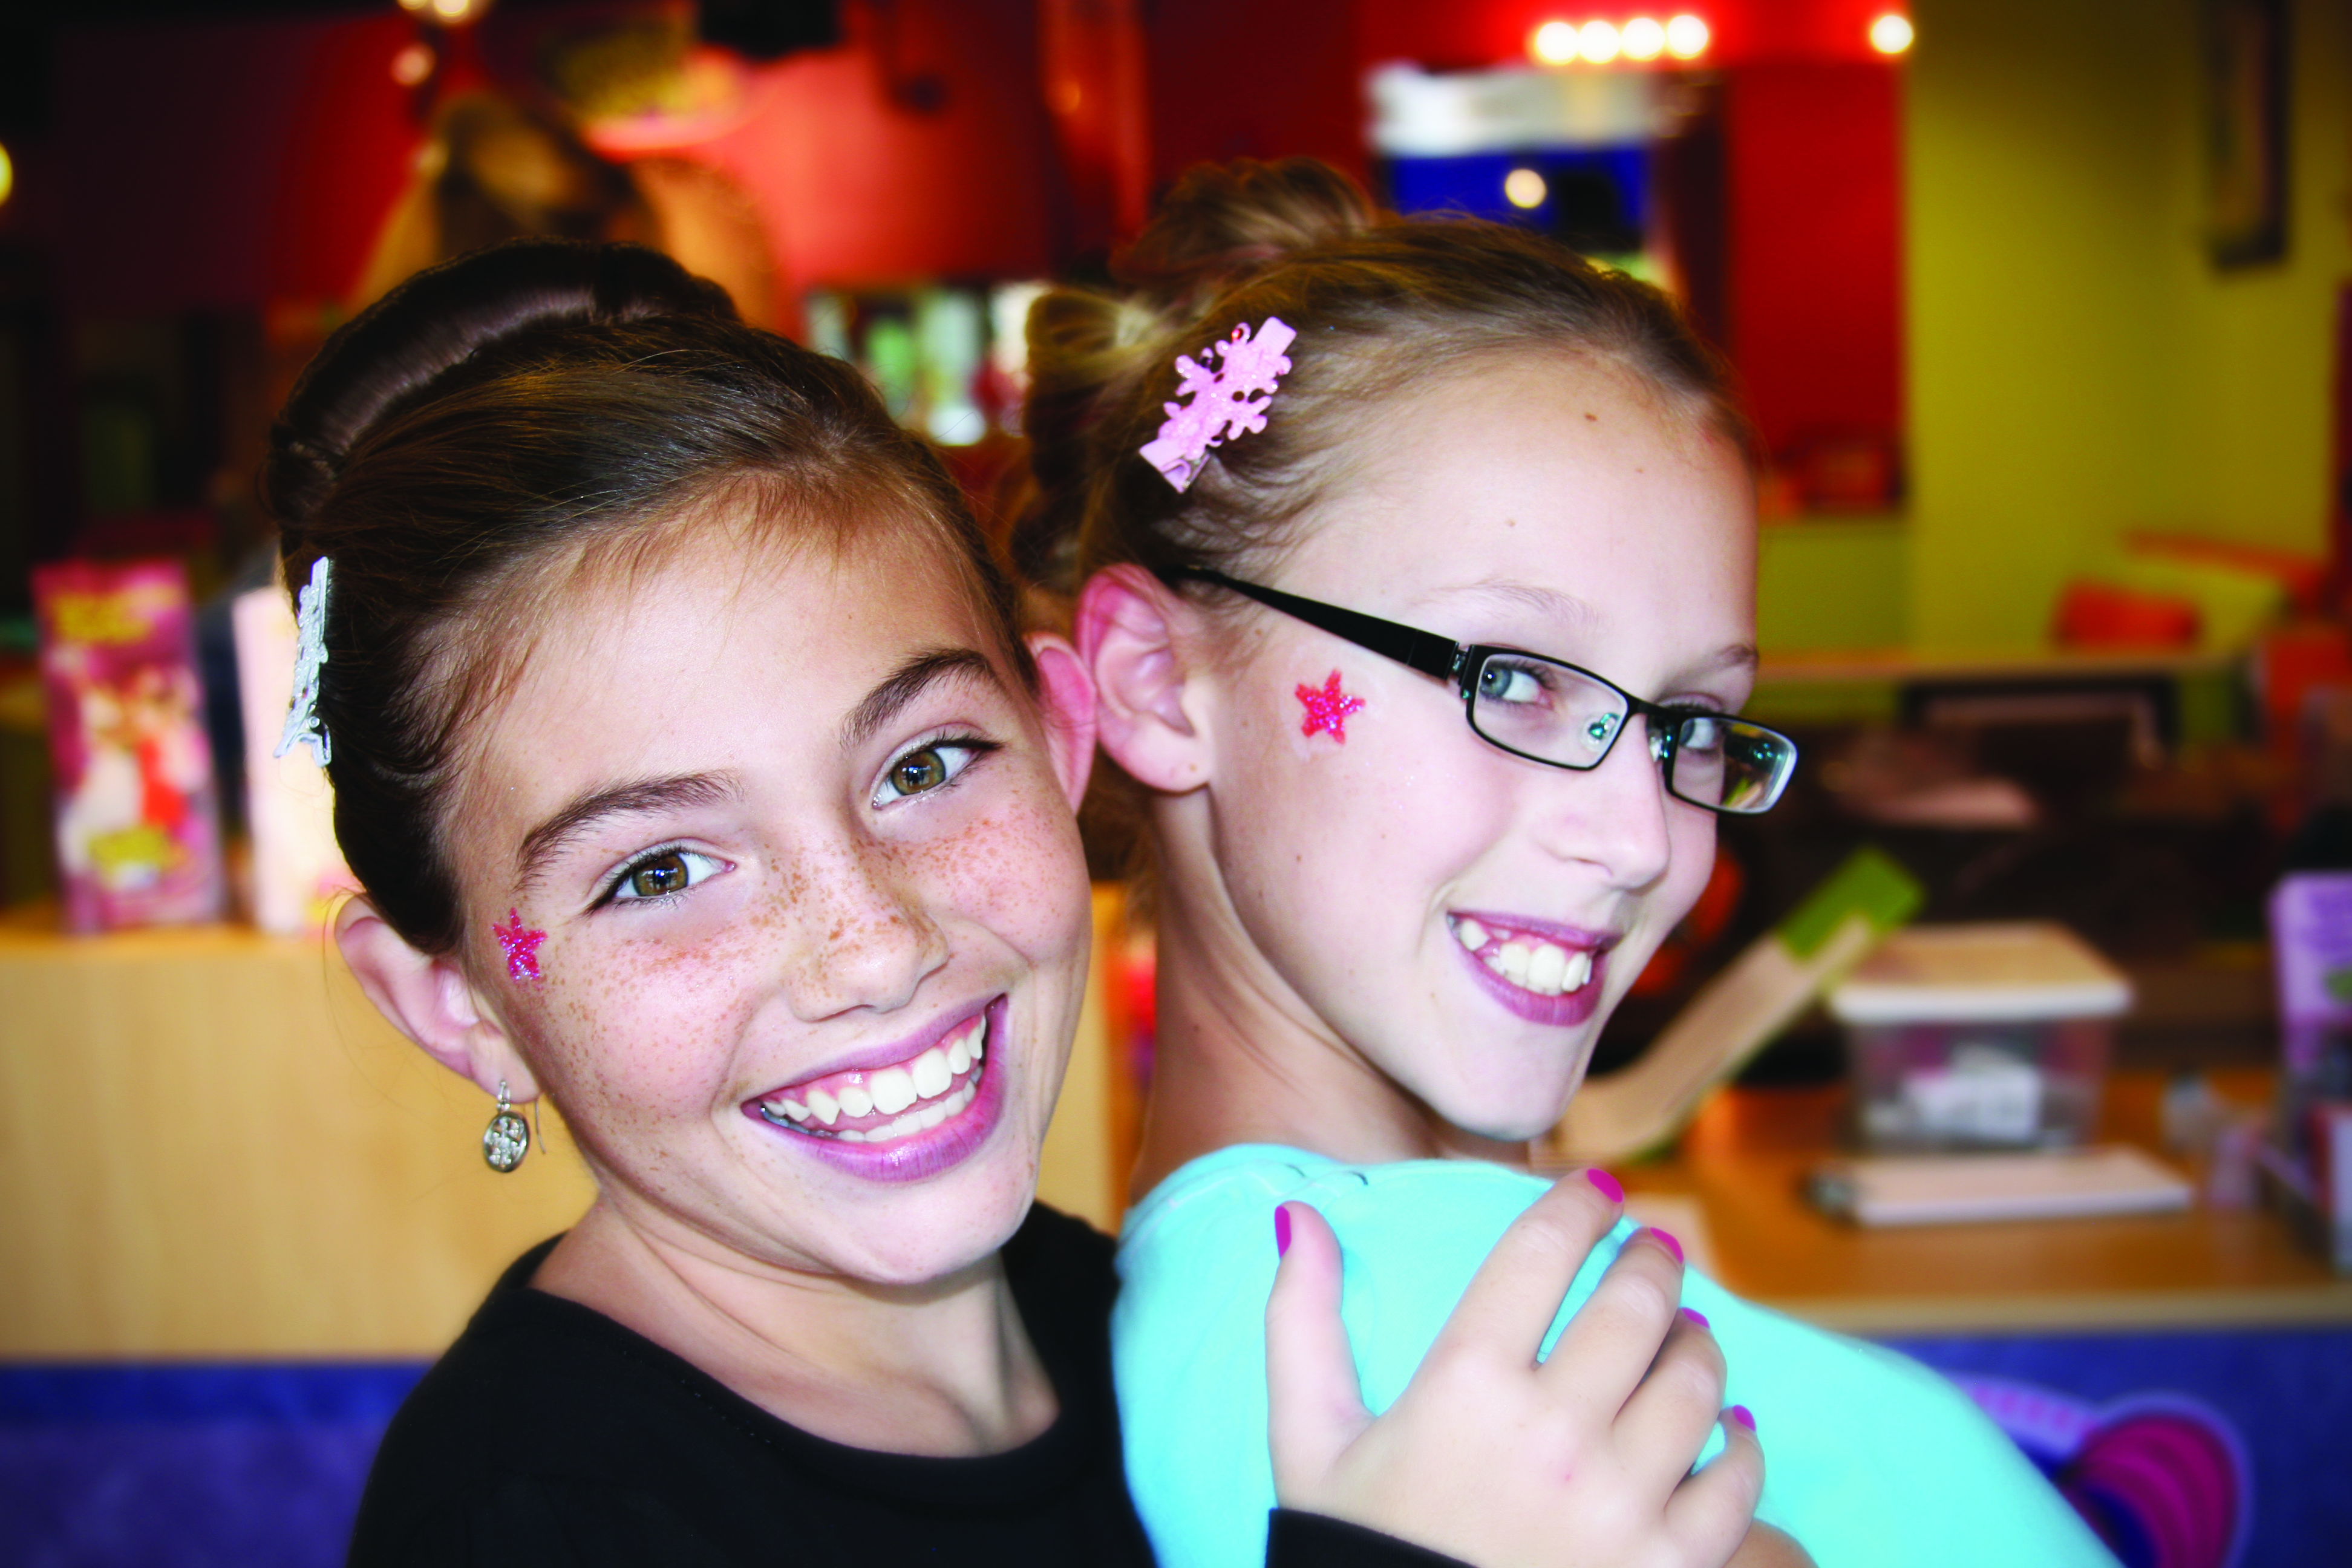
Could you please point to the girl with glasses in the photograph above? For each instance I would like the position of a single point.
(699, 780)
(1422, 659)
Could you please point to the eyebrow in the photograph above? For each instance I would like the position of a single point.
(910, 681)
(1548, 602)
(637, 797)
(1556, 606)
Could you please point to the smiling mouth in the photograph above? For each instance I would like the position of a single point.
(1529, 959)
(882, 1105)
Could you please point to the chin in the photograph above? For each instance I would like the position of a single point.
(1505, 1120)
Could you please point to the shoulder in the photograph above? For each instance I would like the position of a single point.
(541, 1404)
(1365, 1203)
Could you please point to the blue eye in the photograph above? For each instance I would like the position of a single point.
(932, 766)
(661, 873)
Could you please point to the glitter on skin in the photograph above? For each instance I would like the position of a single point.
(1327, 709)
(521, 946)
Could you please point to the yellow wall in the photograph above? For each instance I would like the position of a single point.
(2077, 367)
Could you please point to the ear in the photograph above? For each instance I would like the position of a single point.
(1130, 630)
(430, 1000)
(1067, 693)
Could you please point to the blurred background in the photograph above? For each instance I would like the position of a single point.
(2041, 309)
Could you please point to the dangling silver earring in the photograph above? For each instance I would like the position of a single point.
(507, 1138)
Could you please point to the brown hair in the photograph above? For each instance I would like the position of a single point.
(1378, 303)
(535, 408)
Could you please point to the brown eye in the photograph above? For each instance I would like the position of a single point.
(663, 874)
(918, 771)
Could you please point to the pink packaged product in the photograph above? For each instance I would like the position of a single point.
(2311, 947)
(138, 832)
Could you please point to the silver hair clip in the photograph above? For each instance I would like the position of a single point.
(303, 726)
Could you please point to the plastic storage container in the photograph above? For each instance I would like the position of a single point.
(1979, 1037)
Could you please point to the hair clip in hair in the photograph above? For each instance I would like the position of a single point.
(303, 726)
(1226, 401)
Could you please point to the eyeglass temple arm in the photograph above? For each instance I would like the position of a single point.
(1424, 651)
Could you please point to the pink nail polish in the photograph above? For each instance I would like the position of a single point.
(1666, 1239)
(1605, 1185)
(1281, 1229)
(1741, 1414)
(1695, 1316)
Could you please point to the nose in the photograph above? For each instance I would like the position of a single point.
(1613, 816)
(863, 936)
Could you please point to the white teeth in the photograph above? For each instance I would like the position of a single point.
(1470, 934)
(856, 1101)
(904, 1126)
(1515, 959)
(959, 1054)
(980, 1038)
(793, 1109)
(1492, 961)
(893, 1090)
(932, 1074)
(827, 1108)
(1546, 969)
(1579, 970)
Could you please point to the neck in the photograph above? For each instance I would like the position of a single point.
(943, 1369)
(1238, 1057)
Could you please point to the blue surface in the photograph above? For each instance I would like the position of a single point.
(2288, 1392)
(188, 1467)
(256, 1466)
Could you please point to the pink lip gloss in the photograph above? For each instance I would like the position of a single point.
(921, 1154)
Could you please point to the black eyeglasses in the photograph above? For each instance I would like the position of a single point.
(1550, 712)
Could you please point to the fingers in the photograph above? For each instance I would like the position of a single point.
(1607, 1348)
(1315, 1407)
(1665, 1422)
(1709, 1513)
(1518, 1289)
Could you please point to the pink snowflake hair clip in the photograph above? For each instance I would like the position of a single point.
(1229, 401)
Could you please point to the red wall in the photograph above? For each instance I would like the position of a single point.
(220, 164)
(1815, 231)
(230, 163)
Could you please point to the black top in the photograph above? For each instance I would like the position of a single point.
(551, 1435)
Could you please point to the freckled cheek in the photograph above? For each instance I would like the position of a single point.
(1020, 870)
(643, 1032)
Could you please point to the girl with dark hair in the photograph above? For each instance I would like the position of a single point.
(1415, 566)
(697, 778)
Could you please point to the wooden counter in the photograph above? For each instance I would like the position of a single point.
(1746, 1159)
(212, 1146)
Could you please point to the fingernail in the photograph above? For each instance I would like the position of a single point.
(1605, 1185)
(1695, 1316)
(1741, 1414)
(1666, 1239)
(1281, 1229)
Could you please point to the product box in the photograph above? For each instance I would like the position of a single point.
(138, 831)
(1979, 1037)
(2311, 951)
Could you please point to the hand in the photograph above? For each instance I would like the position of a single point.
(1766, 1547)
(1494, 1458)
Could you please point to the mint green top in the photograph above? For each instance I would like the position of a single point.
(1870, 1459)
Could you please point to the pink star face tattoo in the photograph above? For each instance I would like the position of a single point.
(1327, 709)
(521, 946)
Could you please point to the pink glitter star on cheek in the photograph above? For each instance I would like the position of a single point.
(521, 946)
(1327, 709)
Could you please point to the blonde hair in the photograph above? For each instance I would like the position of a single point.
(1380, 303)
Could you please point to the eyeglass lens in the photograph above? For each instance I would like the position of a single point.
(1557, 715)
